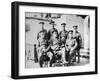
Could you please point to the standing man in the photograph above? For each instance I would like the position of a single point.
(53, 29)
(63, 37)
(42, 45)
(77, 36)
(44, 31)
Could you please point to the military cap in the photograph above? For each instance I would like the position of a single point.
(70, 31)
(41, 22)
(75, 26)
(63, 24)
(52, 22)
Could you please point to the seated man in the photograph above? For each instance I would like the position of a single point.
(70, 47)
(55, 48)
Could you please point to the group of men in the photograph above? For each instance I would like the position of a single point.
(50, 44)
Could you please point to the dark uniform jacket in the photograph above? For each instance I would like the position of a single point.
(78, 38)
(63, 37)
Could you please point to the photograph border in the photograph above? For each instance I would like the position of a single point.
(15, 39)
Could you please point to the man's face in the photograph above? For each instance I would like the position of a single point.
(75, 28)
(42, 35)
(53, 26)
(42, 27)
(63, 27)
(55, 34)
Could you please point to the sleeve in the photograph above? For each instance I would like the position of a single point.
(60, 35)
(66, 34)
(37, 36)
(75, 44)
(47, 38)
(51, 42)
(48, 34)
(56, 30)
(38, 43)
(66, 44)
(80, 40)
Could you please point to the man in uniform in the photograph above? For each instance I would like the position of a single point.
(54, 48)
(77, 36)
(42, 45)
(63, 37)
(70, 46)
(42, 31)
(50, 32)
